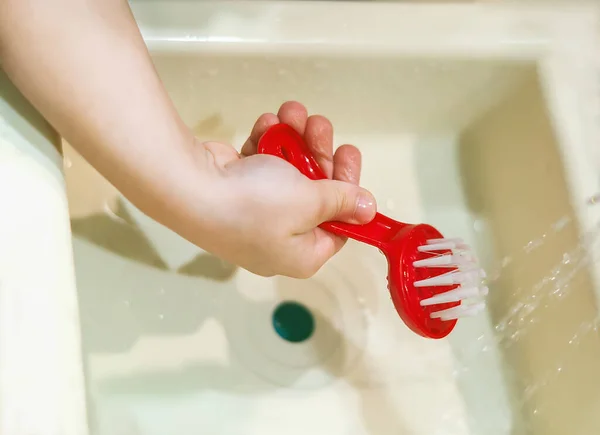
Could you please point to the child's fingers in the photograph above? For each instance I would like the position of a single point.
(319, 138)
(347, 164)
(293, 114)
(264, 121)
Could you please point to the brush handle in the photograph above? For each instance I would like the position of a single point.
(283, 141)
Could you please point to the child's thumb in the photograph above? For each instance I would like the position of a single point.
(346, 202)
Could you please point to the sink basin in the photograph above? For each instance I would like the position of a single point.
(478, 119)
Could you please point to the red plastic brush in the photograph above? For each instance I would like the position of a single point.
(433, 281)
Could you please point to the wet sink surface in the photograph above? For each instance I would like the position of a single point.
(177, 340)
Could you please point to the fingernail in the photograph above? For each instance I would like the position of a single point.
(365, 208)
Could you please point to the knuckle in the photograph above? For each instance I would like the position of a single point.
(336, 203)
(340, 201)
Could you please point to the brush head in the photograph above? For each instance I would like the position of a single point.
(433, 281)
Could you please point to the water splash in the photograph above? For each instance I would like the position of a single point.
(561, 280)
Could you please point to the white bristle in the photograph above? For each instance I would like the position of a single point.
(470, 267)
(450, 278)
(471, 275)
(438, 247)
(442, 260)
(447, 260)
(454, 312)
(468, 311)
(436, 281)
(467, 256)
(458, 312)
(444, 245)
(467, 274)
(444, 240)
(455, 295)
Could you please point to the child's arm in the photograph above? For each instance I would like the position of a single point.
(84, 65)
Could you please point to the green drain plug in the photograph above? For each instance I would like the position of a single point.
(293, 322)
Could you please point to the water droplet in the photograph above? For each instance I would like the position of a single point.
(595, 199)
(161, 317)
(67, 163)
(161, 291)
(127, 303)
(561, 223)
(533, 244)
(566, 258)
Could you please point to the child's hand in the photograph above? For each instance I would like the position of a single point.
(263, 213)
(256, 211)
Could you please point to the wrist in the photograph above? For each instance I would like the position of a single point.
(188, 196)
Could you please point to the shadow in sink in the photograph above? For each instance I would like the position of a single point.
(118, 233)
(224, 377)
(379, 412)
(150, 332)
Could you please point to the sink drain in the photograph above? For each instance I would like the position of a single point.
(293, 322)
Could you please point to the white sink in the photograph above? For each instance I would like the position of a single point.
(478, 119)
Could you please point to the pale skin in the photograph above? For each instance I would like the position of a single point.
(84, 65)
